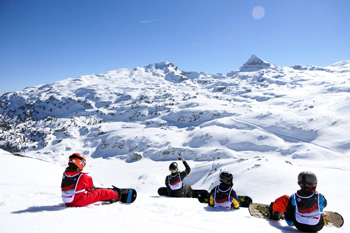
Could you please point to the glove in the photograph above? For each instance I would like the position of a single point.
(275, 215)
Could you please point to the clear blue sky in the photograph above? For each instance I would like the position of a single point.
(43, 41)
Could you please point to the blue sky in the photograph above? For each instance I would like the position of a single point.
(43, 41)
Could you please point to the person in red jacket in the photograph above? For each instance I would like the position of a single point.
(78, 188)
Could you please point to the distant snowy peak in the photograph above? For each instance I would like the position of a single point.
(255, 63)
(166, 67)
(343, 64)
(168, 70)
(339, 67)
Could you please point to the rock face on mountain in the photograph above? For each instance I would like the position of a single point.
(255, 63)
(161, 112)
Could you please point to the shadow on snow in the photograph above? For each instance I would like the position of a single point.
(37, 209)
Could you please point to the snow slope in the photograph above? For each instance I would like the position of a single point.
(30, 195)
(263, 123)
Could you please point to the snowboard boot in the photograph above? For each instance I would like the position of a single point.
(118, 192)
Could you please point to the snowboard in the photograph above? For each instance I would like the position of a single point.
(127, 195)
(196, 193)
(263, 211)
(244, 201)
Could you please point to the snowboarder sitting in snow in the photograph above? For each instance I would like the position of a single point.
(223, 196)
(174, 181)
(304, 208)
(77, 187)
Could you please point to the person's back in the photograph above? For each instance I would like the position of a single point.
(174, 181)
(304, 208)
(77, 187)
(223, 196)
(74, 183)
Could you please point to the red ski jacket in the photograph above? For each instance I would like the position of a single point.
(77, 190)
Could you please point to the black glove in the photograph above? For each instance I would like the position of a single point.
(275, 215)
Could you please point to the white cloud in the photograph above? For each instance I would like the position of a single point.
(150, 21)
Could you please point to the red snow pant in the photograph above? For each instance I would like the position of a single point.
(84, 199)
(280, 204)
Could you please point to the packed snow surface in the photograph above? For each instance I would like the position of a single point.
(30, 198)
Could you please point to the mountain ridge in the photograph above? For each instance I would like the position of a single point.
(145, 110)
(253, 64)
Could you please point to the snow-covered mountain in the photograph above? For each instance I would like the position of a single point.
(161, 112)
(263, 123)
(255, 63)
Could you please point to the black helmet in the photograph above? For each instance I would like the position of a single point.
(173, 167)
(226, 178)
(307, 180)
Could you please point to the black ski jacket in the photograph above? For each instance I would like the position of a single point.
(183, 174)
(232, 196)
(289, 213)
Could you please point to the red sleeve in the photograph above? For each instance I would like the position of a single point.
(85, 182)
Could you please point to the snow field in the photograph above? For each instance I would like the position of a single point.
(30, 195)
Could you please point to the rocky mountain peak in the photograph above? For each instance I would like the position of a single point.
(255, 63)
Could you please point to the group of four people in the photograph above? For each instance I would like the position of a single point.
(302, 209)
